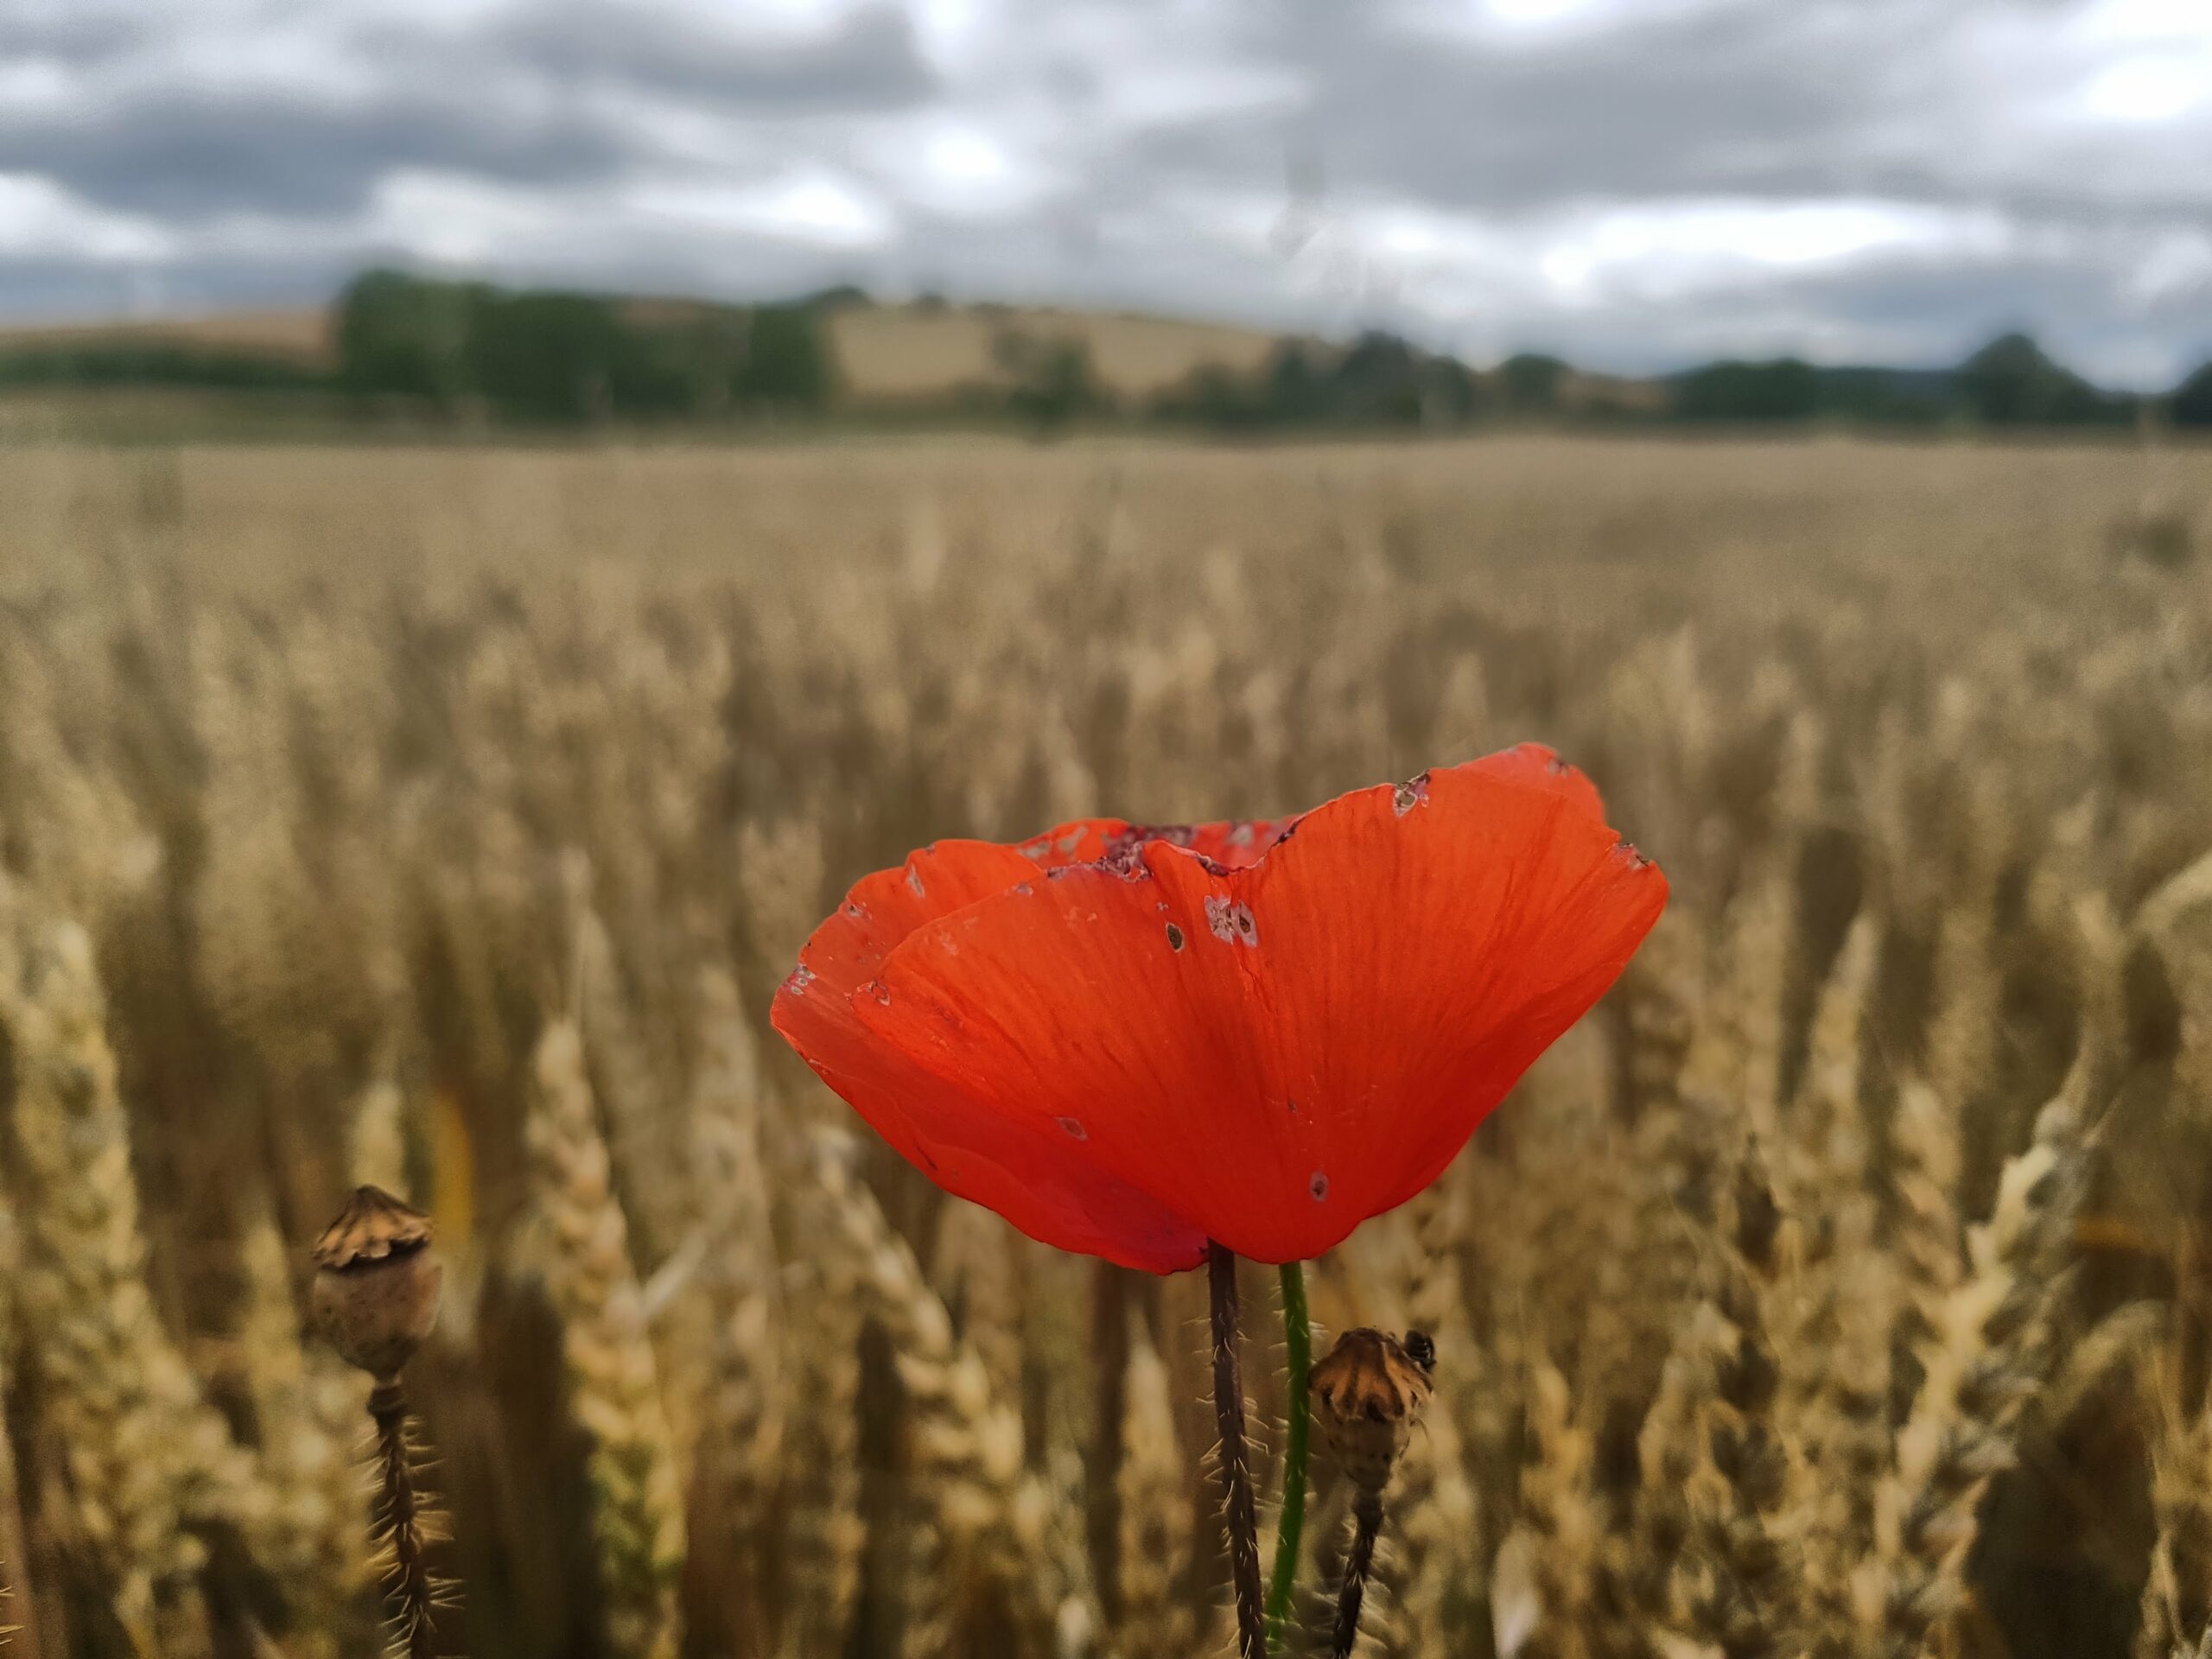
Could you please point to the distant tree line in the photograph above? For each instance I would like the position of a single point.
(1380, 380)
(2010, 382)
(554, 356)
(549, 357)
(128, 362)
(1384, 381)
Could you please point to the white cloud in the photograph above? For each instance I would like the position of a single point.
(39, 218)
(810, 206)
(962, 168)
(1676, 250)
(453, 220)
(1534, 23)
(2150, 90)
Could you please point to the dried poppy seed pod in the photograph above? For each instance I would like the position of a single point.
(1367, 1395)
(376, 1281)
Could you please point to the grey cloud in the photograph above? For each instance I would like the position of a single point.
(2067, 304)
(870, 61)
(1783, 101)
(56, 286)
(186, 155)
(1887, 311)
(1710, 103)
(68, 36)
(511, 102)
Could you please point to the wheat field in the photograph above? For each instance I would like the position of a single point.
(445, 820)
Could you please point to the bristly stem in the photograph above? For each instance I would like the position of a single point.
(1298, 1342)
(1238, 1511)
(410, 1593)
(1367, 1518)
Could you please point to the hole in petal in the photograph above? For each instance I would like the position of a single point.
(1074, 1127)
(801, 977)
(1411, 795)
(858, 912)
(879, 991)
(1319, 1187)
(1174, 937)
(1232, 923)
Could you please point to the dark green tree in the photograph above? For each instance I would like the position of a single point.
(1784, 389)
(399, 334)
(786, 359)
(1531, 382)
(1053, 384)
(2192, 400)
(2011, 381)
(1377, 382)
(1297, 388)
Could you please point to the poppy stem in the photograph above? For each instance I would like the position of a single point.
(1238, 1511)
(1367, 1519)
(1298, 1342)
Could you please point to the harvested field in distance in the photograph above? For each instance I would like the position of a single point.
(447, 819)
(891, 353)
(302, 333)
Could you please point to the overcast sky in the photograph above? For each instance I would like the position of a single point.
(1633, 183)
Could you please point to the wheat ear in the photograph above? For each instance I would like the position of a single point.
(612, 1378)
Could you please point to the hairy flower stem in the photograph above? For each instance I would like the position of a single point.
(1237, 1508)
(1367, 1521)
(1298, 1342)
(410, 1593)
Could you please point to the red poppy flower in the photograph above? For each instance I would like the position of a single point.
(1129, 1041)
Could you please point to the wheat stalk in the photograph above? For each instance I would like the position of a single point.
(986, 1524)
(613, 1383)
(307, 1410)
(1992, 1351)
(1154, 1514)
(149, 1464)
(741, 1437)
(823, 1531)
(1562, 1540)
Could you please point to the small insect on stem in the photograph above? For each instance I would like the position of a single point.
(1367, 1395)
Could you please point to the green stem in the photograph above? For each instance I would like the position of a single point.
(1297, 1332)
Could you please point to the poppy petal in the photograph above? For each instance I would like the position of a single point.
(1540, 768)
(1274, 1053)
(1030, 1173)
(1235, 842)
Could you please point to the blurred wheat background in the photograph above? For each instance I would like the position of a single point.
(446, 820)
